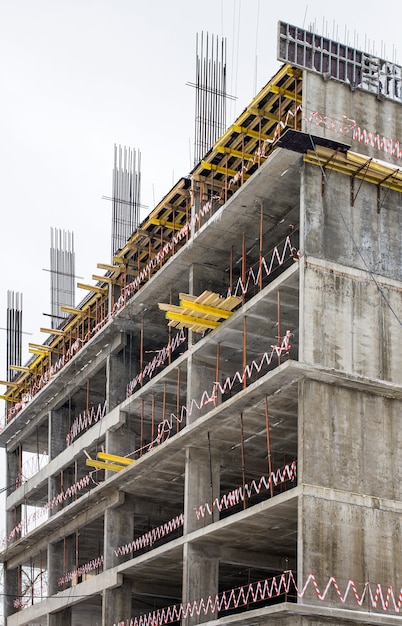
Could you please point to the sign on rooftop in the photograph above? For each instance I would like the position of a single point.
(360, 70)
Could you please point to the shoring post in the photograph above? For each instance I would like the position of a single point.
(149, 257)
(32, 580)
(76, 549)
(142, 347)
(243, 463)
(161, 243)
(87, 397)
(170, 331)
(153, 417)
(231, 271)
(142, 426)
(19, 581)
(279, 324)
(243, 266)
(41, 574)
(242, 159)
(76, 477)
(187, 213)
(178, 400)
(271, 487)
(261, 245)
(244, 351)
(217, 367)
(163, 410)
(64, 555)
(226, 178)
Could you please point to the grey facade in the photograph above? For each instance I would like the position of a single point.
(302, 383)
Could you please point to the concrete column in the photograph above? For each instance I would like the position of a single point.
(200, 388)
(62, 618)
(116, 604)
(55, 566)
(200, 579)
(205, 277)
(119, 529)
(10, 580)
(59, 422)
(201, 485)
(116, 380)
(200, 566)
(13, 518)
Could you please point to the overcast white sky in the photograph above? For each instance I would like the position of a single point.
(80, 75)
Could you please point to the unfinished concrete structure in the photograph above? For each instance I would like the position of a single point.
(233, 455)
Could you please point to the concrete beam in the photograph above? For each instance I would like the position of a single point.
(57, 527)
(91, 587)
(113, 420)
(61, 387)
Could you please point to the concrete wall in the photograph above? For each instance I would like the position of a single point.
(357, 236)
(351, 289)
(350, 440)
(337, 100)
(350, 467)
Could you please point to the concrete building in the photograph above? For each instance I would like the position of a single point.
(216, 426)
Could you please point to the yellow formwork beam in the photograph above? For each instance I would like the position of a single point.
(286, 93)
(235, 153)
(106, 279)
(8, 383)
(9, 399)
(189, 320)
(165, 223)
(221, 170)
(207, 310)
(52, 331)
(113, 467)
(243, 130)
(104, 456)
(93, 288)
(40, 346)
(19, 368)
(72, 310)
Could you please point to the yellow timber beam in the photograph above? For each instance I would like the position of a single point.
(189, 320)
(108, 268)
(9, 399)
(19, 368)
(251, 133)
(104, 456)
(92, 288)
(221, 170)
(236, 153)
(38, 351)
(41, 347)
(204, 308)
(165, 223)
(113, 467)
(286, 93)
(106, 279)
(8, 383)
(52, 331)
(71, 310)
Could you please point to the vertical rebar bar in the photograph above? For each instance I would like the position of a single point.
(271, 487)
(243, 462)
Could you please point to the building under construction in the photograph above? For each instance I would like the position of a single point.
(212, 435)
